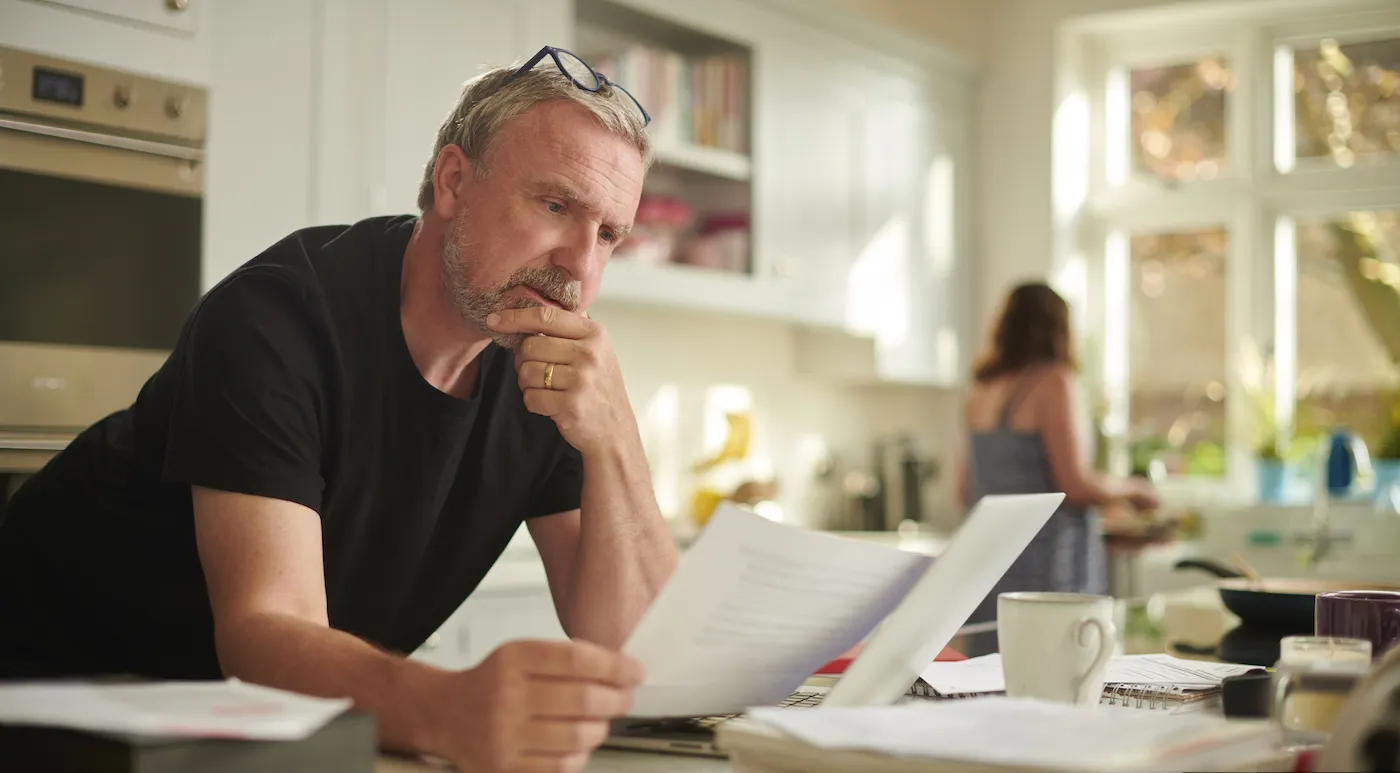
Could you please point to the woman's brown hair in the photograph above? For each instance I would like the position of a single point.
(1033, 329)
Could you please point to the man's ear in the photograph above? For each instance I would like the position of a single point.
(451, 171)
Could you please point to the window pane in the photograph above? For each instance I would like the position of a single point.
(1177, 351)
(1178, 119)
(1347, 101)
(1348, 275)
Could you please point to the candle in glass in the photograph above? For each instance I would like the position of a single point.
(1315, 675)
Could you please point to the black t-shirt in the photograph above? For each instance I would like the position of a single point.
(290, 380)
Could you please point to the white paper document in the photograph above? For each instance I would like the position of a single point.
(974, 675)
(229, 709)
(983, 674)
(1020, 732)
(754, 608)
(1165, 669)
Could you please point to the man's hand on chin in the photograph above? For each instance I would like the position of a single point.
(569, 372)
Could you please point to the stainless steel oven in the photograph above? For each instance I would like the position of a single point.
(101, 211)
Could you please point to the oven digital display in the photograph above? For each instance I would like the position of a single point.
(55, 86)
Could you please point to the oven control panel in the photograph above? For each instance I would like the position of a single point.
(104, 99)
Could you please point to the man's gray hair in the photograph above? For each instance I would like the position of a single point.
(488, 102)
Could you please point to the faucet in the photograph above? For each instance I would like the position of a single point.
(1321, 542)
(1320, 545)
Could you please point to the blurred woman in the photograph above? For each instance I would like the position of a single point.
(1027, 432)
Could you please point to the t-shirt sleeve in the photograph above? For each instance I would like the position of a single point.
(563, 489)
(248, 407)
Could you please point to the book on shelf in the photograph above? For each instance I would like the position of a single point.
(691, 100)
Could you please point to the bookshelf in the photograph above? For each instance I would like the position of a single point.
(705, 160)
(695, 216)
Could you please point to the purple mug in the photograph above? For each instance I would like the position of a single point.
(1361, 614)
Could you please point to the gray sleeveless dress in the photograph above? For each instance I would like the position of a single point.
(1068, 554)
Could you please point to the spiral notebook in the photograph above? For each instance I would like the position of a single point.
(1154, 682)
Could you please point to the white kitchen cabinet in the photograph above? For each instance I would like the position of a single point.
(499, 611)
(895, 284)
(491, 619)
(145, 37)
(896, 296)
(855, 152)
(259, 182)
(176, 15)
(807, 173)
(389, 76)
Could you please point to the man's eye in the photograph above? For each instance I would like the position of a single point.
(608, 236)
(554, 206)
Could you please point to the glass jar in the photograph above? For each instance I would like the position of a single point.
(1314, 676)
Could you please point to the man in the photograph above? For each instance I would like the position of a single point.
(348, 432)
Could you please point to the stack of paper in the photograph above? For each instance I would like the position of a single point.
(993, 734)
(230, 709)
(984, 674)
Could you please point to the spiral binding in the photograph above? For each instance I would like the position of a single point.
(1142, 696)
(1139, 696)
(921, 689)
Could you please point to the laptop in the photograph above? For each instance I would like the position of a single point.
(924, 622)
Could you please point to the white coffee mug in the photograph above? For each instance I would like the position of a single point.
(1055, 646)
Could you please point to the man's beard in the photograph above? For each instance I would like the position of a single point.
(476, 303)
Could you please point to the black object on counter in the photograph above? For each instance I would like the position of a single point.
(345, 745)
(1252, 646)
(1244, 644)
(1275, 604)
(1247, 695)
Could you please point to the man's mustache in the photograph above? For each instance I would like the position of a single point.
(552, 284)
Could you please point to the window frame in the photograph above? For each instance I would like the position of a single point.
(1250, 198)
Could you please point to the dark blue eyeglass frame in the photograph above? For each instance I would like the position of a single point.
(599, 78)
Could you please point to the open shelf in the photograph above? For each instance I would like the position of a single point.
(696, 209)
(677, 286)
(705, 160)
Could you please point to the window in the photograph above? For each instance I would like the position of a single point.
(1346, 104)
(1238, 215)
(1347, 267)
(1178, 119)
(1177, 310)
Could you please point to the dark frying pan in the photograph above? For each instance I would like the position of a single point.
(1284, 605)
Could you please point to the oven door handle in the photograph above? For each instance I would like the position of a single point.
(106, 140)
(32, 444)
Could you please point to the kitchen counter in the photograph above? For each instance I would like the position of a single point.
(603, 761)
(1187, 624)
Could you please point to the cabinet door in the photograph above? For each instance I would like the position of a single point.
(388, 77)
(260, 182)
(944, 194)
(490, 620)
(170, 14)
(806, 136)
(887, 281)
(905, 287)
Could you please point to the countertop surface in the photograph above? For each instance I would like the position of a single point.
(603, 761)
(1188, 624)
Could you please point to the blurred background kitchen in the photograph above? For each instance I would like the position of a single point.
(845, 191)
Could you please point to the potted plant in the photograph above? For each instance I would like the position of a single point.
(1256, 374)
(1271, 472)
(1386, 460)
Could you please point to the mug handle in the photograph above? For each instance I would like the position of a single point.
(1105, 647)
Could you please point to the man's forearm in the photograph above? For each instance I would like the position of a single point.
(626, 552)
(291, 653)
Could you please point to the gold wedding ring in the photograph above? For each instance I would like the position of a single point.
(549, 375)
